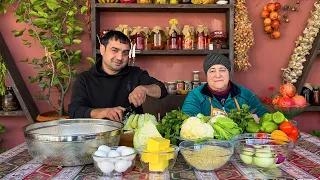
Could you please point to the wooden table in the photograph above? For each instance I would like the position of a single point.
(303, 163)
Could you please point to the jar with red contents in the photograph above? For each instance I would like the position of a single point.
(187, 43)
(175, 40)
(139, 38)
(200, 38)
(158, 39)
(219, 39)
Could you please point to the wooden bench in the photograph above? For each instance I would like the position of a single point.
(162, 106)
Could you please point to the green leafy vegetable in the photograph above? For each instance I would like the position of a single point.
(242, 116)
(170, 125)
(315, 133)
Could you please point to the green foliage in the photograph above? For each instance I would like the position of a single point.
(3, 3)
(315, 133)
(3, 71)
(242, 116)
(54, 24)
(170, 125)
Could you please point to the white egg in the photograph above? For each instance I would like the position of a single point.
(113, 153)
(120, 149)
(121, 166)
(128, 151)
(104, 148)
(106, 166)
(101, 153)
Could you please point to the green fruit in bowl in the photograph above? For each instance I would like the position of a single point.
(248, 151)
(246, 159)
(263, 162)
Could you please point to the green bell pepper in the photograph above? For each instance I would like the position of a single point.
(253, 127)
(268, 127)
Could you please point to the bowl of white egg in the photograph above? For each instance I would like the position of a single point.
(115, 160)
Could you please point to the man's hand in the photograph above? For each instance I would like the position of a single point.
(114, 114)
(138, 96)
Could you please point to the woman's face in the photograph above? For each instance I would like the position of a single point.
(218, 77)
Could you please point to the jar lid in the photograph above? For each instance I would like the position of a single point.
(179, 81)
(195, 71)
(195, 82)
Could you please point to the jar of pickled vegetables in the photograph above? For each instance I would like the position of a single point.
(139, 38)
(161, 1)
(187, 38)
(157, 38)
(200, 38)
(173, 35)
(207, 36)
(146, 40)
(144, 1)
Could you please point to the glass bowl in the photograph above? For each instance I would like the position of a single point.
(159, 161)
(261, 151)
(206, 156)
(114, 166)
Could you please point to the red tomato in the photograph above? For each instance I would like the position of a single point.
(286, 127)
(294, 138)
(295, 132)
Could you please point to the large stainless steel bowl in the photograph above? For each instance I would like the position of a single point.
(70, 142)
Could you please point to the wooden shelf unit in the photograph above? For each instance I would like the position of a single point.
(227, 9)
(29, 108)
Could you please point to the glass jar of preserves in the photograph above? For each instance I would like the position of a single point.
(138, 38)
(161, 1)
(146, 40)
(173, 35)
(171, 87)
(158, 39)
(10, 101)
(207, 37)
(187, 85)
(316, 96)
(200, 38)
(180, 86)
(195, 84)
(184, 1)
(196, 76)
(187, 38)
(144, 1)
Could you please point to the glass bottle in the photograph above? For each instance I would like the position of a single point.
(316, 96)
(173, 41)
(207, 37)
(200, 38)
(157, 38)
(196, 76)
(10, 101)
(193, 39)
(307, 92)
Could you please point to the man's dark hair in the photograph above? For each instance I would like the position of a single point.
(116, 36)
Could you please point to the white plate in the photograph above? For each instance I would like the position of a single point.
(222, 2)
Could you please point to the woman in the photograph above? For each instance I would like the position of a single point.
(219, 95)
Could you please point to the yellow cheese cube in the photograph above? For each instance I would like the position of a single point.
(153, 157)
(157, 143)
(158, 167)
(169, 154)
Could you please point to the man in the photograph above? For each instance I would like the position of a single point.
(111, 85)
(220, 95)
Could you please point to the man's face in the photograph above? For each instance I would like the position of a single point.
(218, 77)
(115, 56)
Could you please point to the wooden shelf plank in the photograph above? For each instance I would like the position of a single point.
(179, 52)
(12, 113)
(313, 108)
(182, 8)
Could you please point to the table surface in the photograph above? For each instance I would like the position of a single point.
(303, 163)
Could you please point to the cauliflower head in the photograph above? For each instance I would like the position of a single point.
(194, 128)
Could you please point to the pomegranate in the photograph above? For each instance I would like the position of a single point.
(265, 14)
(288, 89)
(299, 101)
(285, 102)
(271, 7)
(267, 22)
(276, 99)
(268, 29)
(275, 34)
(275, 24)
(273, 15)
(277, 6)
